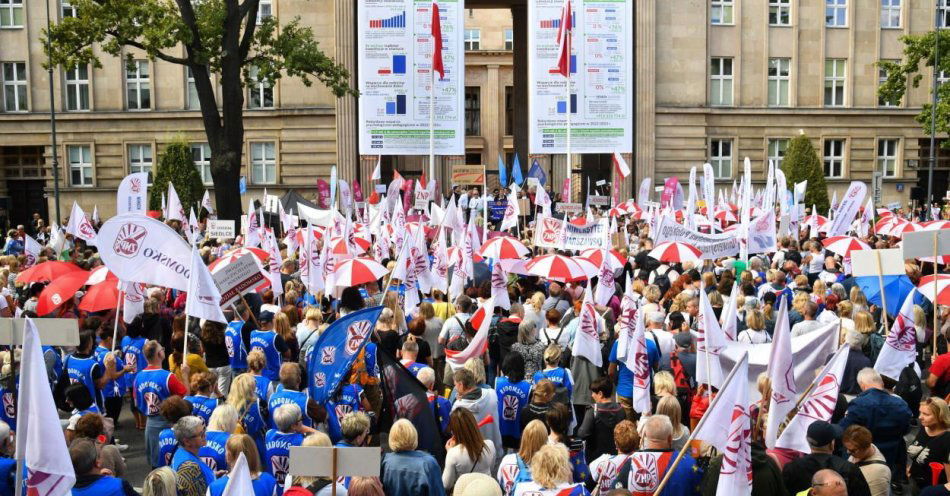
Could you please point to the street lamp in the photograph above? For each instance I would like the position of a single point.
(52, 116)
(933, 118)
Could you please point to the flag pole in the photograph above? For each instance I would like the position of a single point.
(115, 328)
(570, 188)
(432, 116)
(935, 306)
(880, 281)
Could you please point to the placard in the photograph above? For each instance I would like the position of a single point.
(601, 76)
(524, 206)
(555, 233)
(865, 262)
(423, 196)
(394, 49)
(381, 189)
(468, 175)
(712, 246)
(921, 244)
(317, 461)
(569, 208)
(496, 210)
(237, 278)
(271, 203)
(598, 201)
(221, 229)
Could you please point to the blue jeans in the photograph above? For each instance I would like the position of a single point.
(153, 427)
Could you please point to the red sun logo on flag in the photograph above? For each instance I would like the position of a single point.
(736, 458)
(821, 402)
(135, 185)
(129, 241)
(327, 355)
(355, 335)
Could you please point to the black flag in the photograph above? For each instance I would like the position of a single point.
(405, 397)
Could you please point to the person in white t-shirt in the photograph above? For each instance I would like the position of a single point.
(605, 468)
(550, 472)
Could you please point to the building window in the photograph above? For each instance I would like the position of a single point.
(721, 82)
(137, 86)
(836, 13)
(11, 13)
(191, 95)
(881, 80)
(473, 39)
(942, 77)
(77, 88)
(263, 163)
(140, 160)
(834, 82)
(261, 92)
(80, 165)
(943, 13)
(777, 147)
(834, 158)
(890, 14)
(473, 111)
(201, 156)
(887, 157)
(509, 39)
(780, 13)
(265, 9)
(721, 12)
(720, 156)
(509, 110)
(473, 158)
(68, 10)
(778, 82)
(14, 87)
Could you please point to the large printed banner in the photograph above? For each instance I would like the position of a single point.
(712, 246)
(555, 233)
(395, 54)
(602, 99)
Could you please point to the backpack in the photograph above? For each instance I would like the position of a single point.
(523, 475)
(361, 375)
(909, 388)
(566, 354)
(460, 342)
(302, 354)
(873, 347)
(684, 383)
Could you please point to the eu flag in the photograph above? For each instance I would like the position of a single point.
(333, 354)
(242, 185)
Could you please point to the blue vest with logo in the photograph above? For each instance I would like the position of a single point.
(116, 387)
(132, 351)
(277, 452)
(264, 341)
(213, 453)
(167, 444)
(285, 396)
(183, 456)
(151, 388)
(237, 354)
(558, 376)
(79, 370)
(8, 412)
(202, 406)
(512, 398)
(7, 476)
(263, 387)
(104, 486)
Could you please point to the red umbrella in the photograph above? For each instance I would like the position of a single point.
(503, 247)
(58, 291)
(356, 271)
(940, 284)
(47, 271)
(820, 220)
(906, 228)
(935, 225)
(100, 274)
(675, 251)
(557, 268)
(844, 245)
(102, 296)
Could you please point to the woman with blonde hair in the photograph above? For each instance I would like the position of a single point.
(365, 486)
(533, 438)
(314, 486)
(284, 329)
(160, 482)
(858, 299)
(243, 397)
(310, 328)
(263, 483)
(550, 473)
(256, 361)
(754, 333)
(663, 384)
(532, 310)
(443, 308)
(406, 470)
(670, 406)
(467, 451)
(560, 376)
(392, 302)
(387, 331)
(932, 443)
(222, 424)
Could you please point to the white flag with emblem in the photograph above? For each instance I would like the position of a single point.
(499, 286)
(80, 227)
(132, 195)
(605, 279)
(175, 210)
(587, 339)
(628, 312)
(512, 211)
(819, 405)
(638, 362)
(900, 347)
(206, 203)
(781, 372)
(32, 250)
(204, 298)
(709, 342)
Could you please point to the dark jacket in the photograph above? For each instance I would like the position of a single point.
(798, 473)
(886, 415)
(597, 429)
(506, 334)
(766, 475)
(857, 360)
(534, 411)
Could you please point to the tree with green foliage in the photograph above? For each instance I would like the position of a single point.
(221, 37)
(801, 163)
(176, 166)
(919, 50)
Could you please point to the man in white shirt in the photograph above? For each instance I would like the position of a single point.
(809, 324)
(662, 338)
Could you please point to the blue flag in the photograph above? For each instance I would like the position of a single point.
(502, 172)
(331, 357)
(537, 173)
(516, 171)
(242, 185)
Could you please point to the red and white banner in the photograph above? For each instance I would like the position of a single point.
(731, 408)
(900, 347)
(132, 195)
(819, 405)
(848, 208)
(709, 342)
(782, 374)
(204, 298)
(481, 321)
(762, 237)
(32, 250)
(141, 249)
(637, 357)
(587, 338)
(80, 227)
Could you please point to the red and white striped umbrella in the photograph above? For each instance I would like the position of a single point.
(906, 228)
(935, 225)
(503, 248)
(356, 271)
(820, 220)
(596, 257)
(887, 224)
(557, 268)
(725, 216)
(100, 274)
(624, 208)
(676, 252)
(940, 284)
(229, 257)
(844, 245)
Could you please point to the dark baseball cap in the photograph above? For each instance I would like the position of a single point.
(683, 339)
(265, 316)
(821, 433)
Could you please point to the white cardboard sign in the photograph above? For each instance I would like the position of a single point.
(237, 278)
(921, 244)
(864, 262)
(218, 228)
(313, 461)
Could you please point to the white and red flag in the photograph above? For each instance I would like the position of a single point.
(819, 405)
(481, 321)
(709, 342)
(587, 339)
(80, 227)
(32, 250)
(512, 211)
(638, 361)
(564, 34)
(499, 286)
(900, 347)
(175, 210)
(781, 372)
(204, 298)
(206, 203)
(621, 165)
(40, 441)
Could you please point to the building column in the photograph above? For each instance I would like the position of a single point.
(491, 120)
(645, 74)
(519, 22)
(346, 124)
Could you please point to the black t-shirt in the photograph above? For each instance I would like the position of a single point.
(425, 351)
(940, 490)
(923, 451)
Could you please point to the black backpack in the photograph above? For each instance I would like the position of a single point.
(909, 388)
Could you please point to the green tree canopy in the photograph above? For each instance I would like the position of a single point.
(221, 37)
(919, 51)
(801, 163)
(175, 166)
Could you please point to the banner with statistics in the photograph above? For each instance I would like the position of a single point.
(601, 69)
(395, 46)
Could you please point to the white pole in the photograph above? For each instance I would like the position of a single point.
(432, 118)
(570, 189)
(115, 328)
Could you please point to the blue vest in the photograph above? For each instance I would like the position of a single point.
(79, 370)
(57, 364)
(285, 396)
(132, 351)
(263, 387)
(8, 412)
(116, 387)
(182, 456)
(347, 400)
(254, 421)
(558, 376)
(277, 452)
(202, 406)
(263, 485)
(7, 476)
(264, 341)
(213, 453)
(104, 486)
(151, 388)
(237, 354)
(167, 444)
(512, 398)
